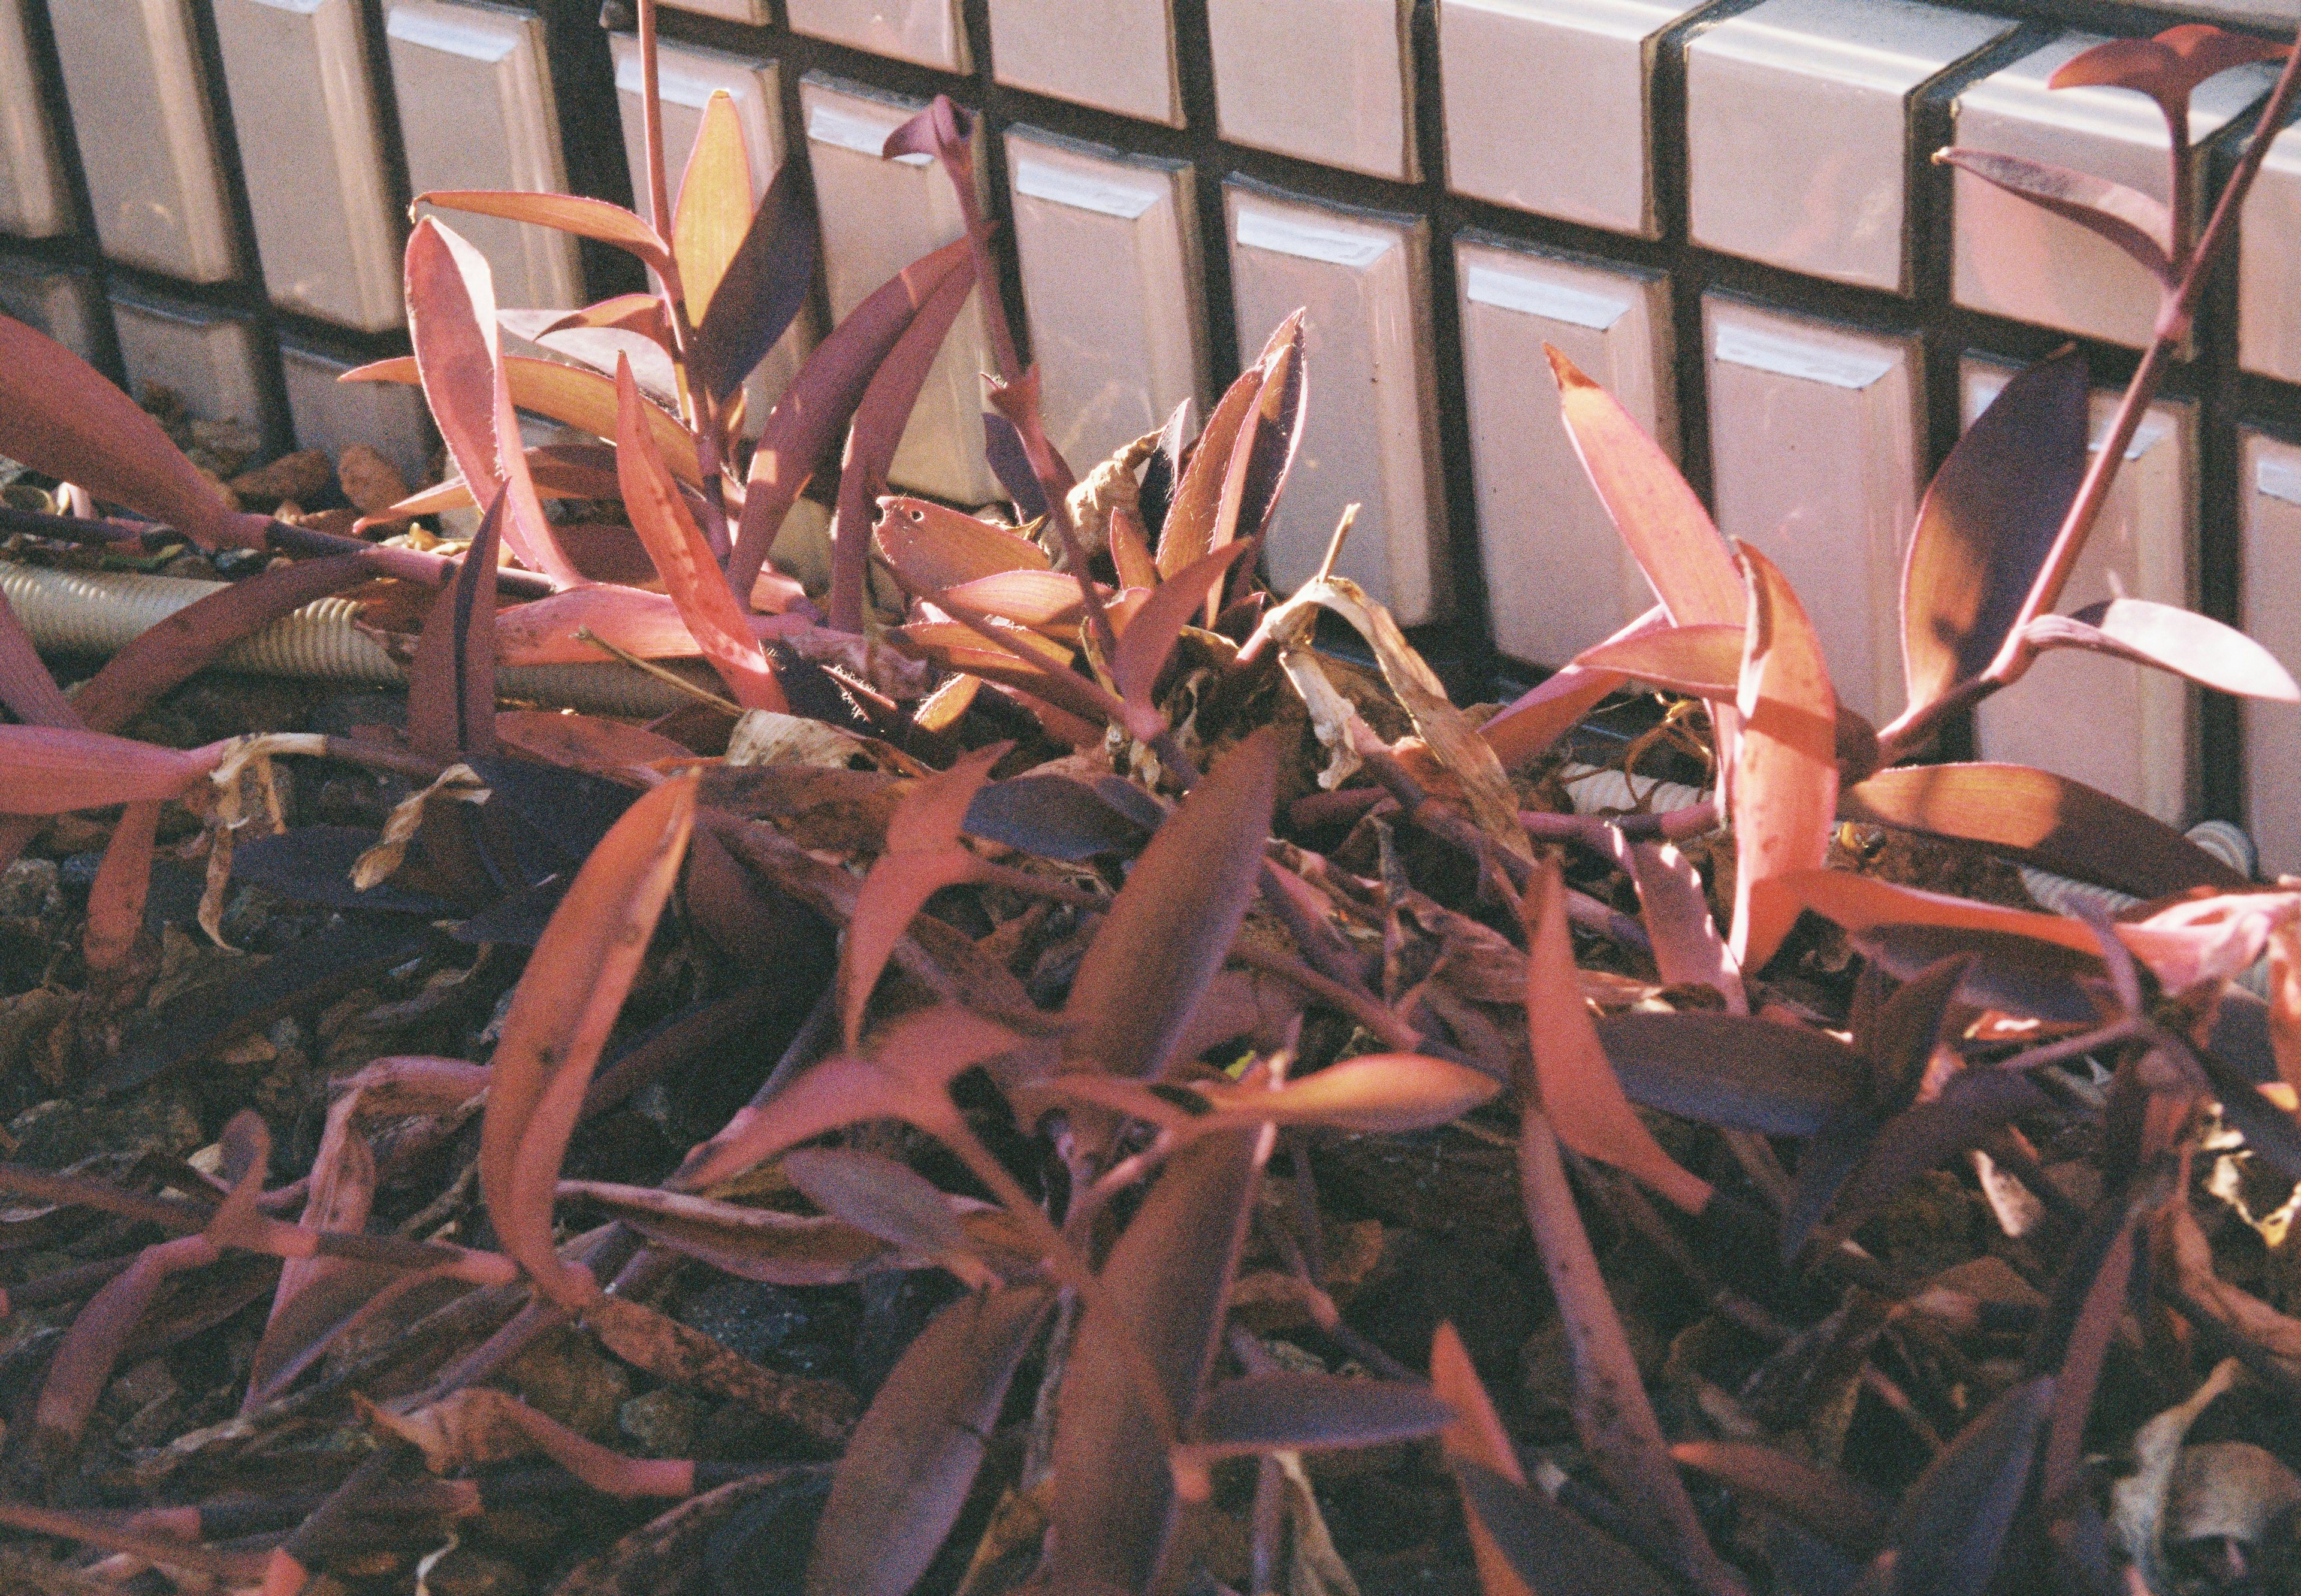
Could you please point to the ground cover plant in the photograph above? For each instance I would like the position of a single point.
(1038, 1076)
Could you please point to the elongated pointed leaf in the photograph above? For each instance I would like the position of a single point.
(560, 1015)
(1839, 1510)
(1786, 761)
(59, 416)
(689, 573)
(1986, 523)
(1041, 600)
(1578, 1088)
(26, 688)
(1150, 638)
(1952, 1526)
(893, 1201)
(1752, 1074)
(627, 313)
(2167, 68)
(2040, 819)
(911, 1462)
(1268, 436)
(804, 429)
(54, 770)
(1167, 1284)
(546, 631)
(2171, 638)
(713, 209)
(2126, 217)
(1372, 1094)
(1703, 661)
(1524, 730)
(1188, 534)
(767, 1245)
(451, 687)
(1172, 924)
(564, 212)
(1297, 1410)
(1687, 948)
(933, 547)
(115, 901)
(1551, 1548)
(573, 396)
(934, 811)
(765, 286)
(1475, 1436)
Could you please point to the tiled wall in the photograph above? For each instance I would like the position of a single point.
(1722, 209)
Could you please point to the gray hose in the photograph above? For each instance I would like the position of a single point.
(99, 612)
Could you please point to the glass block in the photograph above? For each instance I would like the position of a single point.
(2269, 298)
(61, 303)
(208, 360)
(330, 416)
(927, 31)
(1115, 54)
(1327, 81)
(34, 203)
(2268, 496)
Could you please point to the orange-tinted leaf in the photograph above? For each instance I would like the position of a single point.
(626, 313)
(1149, 637)
(566, 213)
(1373, 1094)
(54, 770)
(1861, 903)
(1523, 731)
(582, 742)
(2171, 638)
(1665, 526)
(1702, 662)
(648, 624)
(1686, 945)
(933, 547)
(573, 396)
(1189, 532)
(1475, 1435)
(1577, 1087)
(1786, 761)
(2040, 819)
(676, 544)
(713, 209)
(2167, 68)
(451, 684)
(1986, 523)
(59, 416)
(935, 810)
(762, 1244)
(898, 887)
(2126, 217)
(1268, 435)
(1171, 926)
(560, 1015)
(764, 287)
(115, 901)
(804, 429)
(1038, 599)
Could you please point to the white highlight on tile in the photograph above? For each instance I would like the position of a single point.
(2012, 259)
(388, 417)
(878, 217)
(476, 112)
(687, 76)
(154, 176)
(1548, 105)
(1366, 337)
(326, 227)
(2124, 729)
(1111, 280)
(1327, 81)
(58, 303)
(33, 200)
(927, 31)
(1558, 576)
(1117, 54)
(1798, 129)
(2272, 523)
(208, 360)
(734, 10)
(2268, 242)
(1815, 433)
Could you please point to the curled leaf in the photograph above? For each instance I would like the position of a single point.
(2126, 217)
(1786, 761)
(2171, 638)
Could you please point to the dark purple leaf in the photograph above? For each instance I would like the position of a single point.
(1753, 1074)
(2126, 217)
(1555, 1551)
(2017, 974)
(1298, 1410)
(765, 286)
(893, 1201)
(1003, 447)
(1055, 817)
(1164, 469)
(1951, 1524)
(451, 686)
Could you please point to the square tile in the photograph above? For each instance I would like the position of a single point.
(734, 10)
(34, 203)
(2269, 497)
(1329, 81)
(1588, 64)
(927, 31)
(1558, 577)
(1116, 54)
(59, 302)
(1110, 274)
(2010, 258)
(878, 217)
(2269, 310)
(207, 359)
(687, 76)
(326, 227)
(153, 179)
(1816, 434)
(331, 415)
(476, 112)
(2138, 724)
(1362, 279)
(1798, 129)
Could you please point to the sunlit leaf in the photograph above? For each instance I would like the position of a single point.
(1150, 633)
(573, 396)
(1786, 761)
(1703, 661)
(713, 208)
(765, 286)
(2171, 638)
(1188, 531)
(2167, 68)
(564, 212)
(1524, 730)
(54, 770)
(2126, 217)
(1372, 1094)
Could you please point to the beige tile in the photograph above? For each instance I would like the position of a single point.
(1110, 261)
(2137, 724)
(1815, 431)
(476, 112)
(34, 203)
(2270, 503)
(687, 76)
(1558, 577)
(208, 360)
(326, 227)
(2269, 308)
(1798, 129)
(927, 31)
(331, 415)
(153, 177)
(734, 10)
(1369, 433)
(1548, 105)
(59, 303)
(2012, 259)
(1324, 79)
(878, 217)
(1117, 54)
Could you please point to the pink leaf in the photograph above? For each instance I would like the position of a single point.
(1785, 769)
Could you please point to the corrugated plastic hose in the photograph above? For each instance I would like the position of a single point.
(99, 612)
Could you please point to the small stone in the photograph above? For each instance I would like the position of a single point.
(564, 1376)
(30, 888)
(661, 1424)
(464, 1572)
(224, 448)
(302, 477)
(371, 482)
